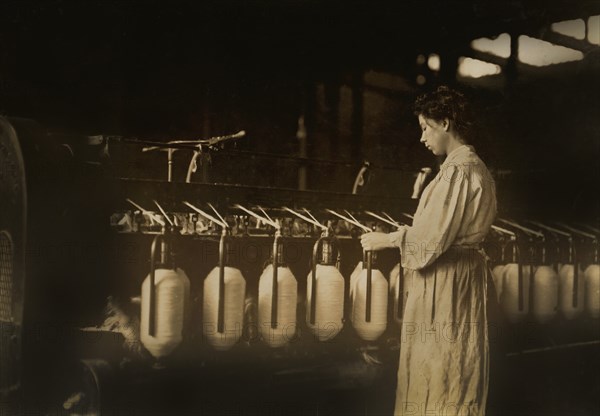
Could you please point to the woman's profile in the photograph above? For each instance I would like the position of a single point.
(444, 353)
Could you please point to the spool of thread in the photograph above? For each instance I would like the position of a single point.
(233, 313)
(169, 303)
(545, 294)
(329, 307)
(571, 295)
(354, 276)
(497, 277)
(370, 305)
(283, 330)
(592, 290)
(592, 284)
(187, 309)
(515, 291)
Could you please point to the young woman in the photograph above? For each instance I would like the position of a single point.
(444, 353)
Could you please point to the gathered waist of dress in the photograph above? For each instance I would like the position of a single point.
(463, 252)
(465, 246)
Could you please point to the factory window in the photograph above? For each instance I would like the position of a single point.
(499, 46)
(474, 68)
(573, 28)
(537, 52)
(433, 62)
(593, 34)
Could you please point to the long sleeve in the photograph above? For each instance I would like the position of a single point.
(438, 219)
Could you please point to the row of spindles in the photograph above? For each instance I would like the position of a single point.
(544, 272)
(165, 296)
(533, 278)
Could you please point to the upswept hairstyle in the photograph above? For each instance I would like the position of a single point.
(446, 102)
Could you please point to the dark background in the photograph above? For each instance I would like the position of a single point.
(187, 69)
(184, 69)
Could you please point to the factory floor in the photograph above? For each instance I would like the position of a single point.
(552, 370)
(553, 382)
(564, 381)
(544, 371)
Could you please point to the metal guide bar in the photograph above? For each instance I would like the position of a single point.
(224, 197)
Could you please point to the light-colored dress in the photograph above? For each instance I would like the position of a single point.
(444, 354)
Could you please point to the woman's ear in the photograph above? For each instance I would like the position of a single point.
(446, 124)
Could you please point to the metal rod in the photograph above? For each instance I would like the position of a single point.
(219, 215)
(265, 214)
(551, 229)
(206, 215)
(522, 228)
(313, 288)
(356, 223)
(531, 280)
(183, 144)
(576, 231)
(221, 304)
(164, 213)
(310, 215)
(170, 164)
(152, 294)
(351, 216)
(255, 215)
(305, 218)
(275, 287)
(380, 218)
(408, 215)
(152, 145)
(369, 284)
(503, 231)
(152, 215)
(303, 160)
(574, 258)
(591, 228)
(575, 277)
(389, 217)
(519, 277)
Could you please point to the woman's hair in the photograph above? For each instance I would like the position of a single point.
(446, 102)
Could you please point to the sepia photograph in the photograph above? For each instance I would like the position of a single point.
(299, 207)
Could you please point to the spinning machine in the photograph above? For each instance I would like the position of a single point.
(205, 282)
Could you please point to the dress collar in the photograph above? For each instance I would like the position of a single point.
(456, 153)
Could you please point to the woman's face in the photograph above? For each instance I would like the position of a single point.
(434, 136)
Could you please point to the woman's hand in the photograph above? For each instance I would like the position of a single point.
(375, 241)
